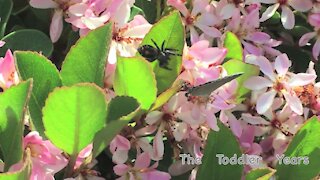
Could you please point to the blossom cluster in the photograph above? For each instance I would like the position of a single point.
(278, 104)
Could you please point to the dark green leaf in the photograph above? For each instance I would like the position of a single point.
(28, 39)
(5, 11)
(149, 7)
(225, 143)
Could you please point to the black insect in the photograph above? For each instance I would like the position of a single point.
(156, 53)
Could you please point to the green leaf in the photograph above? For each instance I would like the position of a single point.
(45, 78)
(171, 31)
(5, 11)
(260, 174)
(86, 60)
(135, 11)
(27, 39)
(121, 110)
(235, 66)
(19, 6)
(221, 142)
(305, 144)
(134, 77)
(166, 95)
(149, 7)
(24, 173)
(298, 31)
(12, 109)
(73, 115)
(232, 43)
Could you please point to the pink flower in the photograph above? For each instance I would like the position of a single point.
(56, 25)
(201, 63)
(125, 42)
(120, 147)
(282, 83)
(46, 158)
(141, 170)
(84, 153)
(89, 15)
(287, 16)
(246, 27)
(2, 43)
(314, 19)
(8, 73)
(201, 17)
(167, 121)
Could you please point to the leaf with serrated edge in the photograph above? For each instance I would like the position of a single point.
(45, 78)
(168, 29)
(134, 77)
(70, 118)
(24, 173)
(13, 104)
(115, 123)
(86, 60)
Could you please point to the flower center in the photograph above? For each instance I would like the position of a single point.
(282, 2)
(190, 20)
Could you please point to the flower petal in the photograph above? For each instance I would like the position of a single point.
(266, 67)
(56, 25)
(269, 12)
(301, 5)
(265, 101)
(43, 4)
(282, 64)
(257, 83)
(294, 102)
(158, 146)
(142, 161)
(153, 117)
(254, 120)
(302, 79)
(306, 38)
(316, 49)
(287, 17)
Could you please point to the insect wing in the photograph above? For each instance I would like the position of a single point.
(207, 88)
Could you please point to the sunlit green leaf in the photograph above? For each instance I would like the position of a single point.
(170, 31)
(12, 110)
(134, 77)
(86, 60)
(45, 78)
(73, 115)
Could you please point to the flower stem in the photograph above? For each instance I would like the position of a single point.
(71, 164)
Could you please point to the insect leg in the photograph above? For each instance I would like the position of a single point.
(156, 44)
